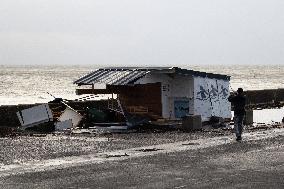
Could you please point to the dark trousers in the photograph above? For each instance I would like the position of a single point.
(238, 124)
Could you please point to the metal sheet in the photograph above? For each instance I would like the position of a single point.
(126, 75)
(94, 76)
(112, 77)
(89, 76)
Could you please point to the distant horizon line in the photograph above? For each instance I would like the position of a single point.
(117, 65)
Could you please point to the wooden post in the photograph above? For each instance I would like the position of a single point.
(112, 100)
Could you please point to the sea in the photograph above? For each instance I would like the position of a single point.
(35, 83)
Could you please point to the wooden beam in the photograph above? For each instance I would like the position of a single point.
(116, 89)
(93, 91)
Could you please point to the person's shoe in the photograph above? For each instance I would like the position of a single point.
(239, 138)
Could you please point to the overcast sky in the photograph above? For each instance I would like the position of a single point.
(141, 32)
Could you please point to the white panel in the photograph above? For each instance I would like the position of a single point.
(37, 114)
(202, 105)
(225, 105)
(70, 114)
(214, 97)
(211, 98)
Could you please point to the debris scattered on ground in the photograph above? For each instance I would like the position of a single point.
(116, 155)
(37, 135)
(64, 128)
(191, 143)
(64, 125)
(71, 114)
(149, 149)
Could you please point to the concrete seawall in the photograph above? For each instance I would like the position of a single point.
(265, 98)
(255, 99)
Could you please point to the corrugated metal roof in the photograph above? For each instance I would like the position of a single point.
(112, 77)
(128, 75)
(138, 68)
(201, 74)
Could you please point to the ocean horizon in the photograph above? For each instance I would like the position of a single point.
(27, 84)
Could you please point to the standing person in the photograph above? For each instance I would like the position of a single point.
(239, 102)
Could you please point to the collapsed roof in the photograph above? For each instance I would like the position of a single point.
(128, 75)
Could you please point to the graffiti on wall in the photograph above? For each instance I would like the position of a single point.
(211, 98)
(202, 94)
(224, 93)
(213, 93)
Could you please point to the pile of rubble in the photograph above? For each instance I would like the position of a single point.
(43, 119)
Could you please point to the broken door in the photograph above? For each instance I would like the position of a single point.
(181, 108)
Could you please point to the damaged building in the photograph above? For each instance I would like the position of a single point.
(168, 93)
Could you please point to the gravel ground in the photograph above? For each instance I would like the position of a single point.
(20, 149)
(26, 148)
(249, 164)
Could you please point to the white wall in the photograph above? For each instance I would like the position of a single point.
(224, 93)
(210, 98)
(181, 89)
(207, 97)
(201, 98)
(173, 88)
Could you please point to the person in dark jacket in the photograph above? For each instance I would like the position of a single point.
(239, 102)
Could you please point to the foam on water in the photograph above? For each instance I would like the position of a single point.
(29, 84)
